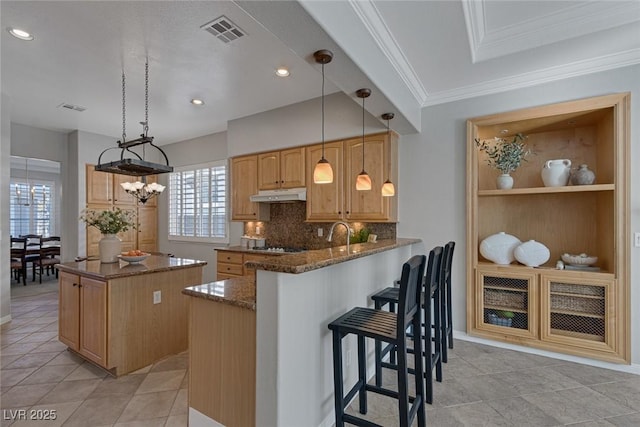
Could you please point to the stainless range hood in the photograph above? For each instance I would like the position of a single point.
(279, 196)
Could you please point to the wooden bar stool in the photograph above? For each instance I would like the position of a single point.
(390, 328)
(431, 301)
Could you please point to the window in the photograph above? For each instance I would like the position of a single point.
(198, 203)
(32, 207)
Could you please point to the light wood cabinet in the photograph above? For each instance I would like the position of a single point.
(340, 199)
(231, 264)
(281, 169)
(83, 316)
(244, 184)
(570, 219)
(146, 233)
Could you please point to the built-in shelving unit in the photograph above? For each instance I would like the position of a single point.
(571, 311)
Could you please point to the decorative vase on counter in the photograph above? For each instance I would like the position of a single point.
(583, 176)
(504, 181)
(532, 253)
(555, 173)
(109, 247)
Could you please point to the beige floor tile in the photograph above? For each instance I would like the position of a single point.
(48, 415)
(144, 370)
(25, 395)
(100, 411)
(625, 392)
(66, 358)
(24, 329)
(161, 381)
(148, 406)
(185, 381)
(52, 327)
(10, 416)
(172, 363)
(631, 420)
(5, 360)
(19, 348)
(181, 404)
(7, 339)
(155, 422)
(122, 386)
(32, 360)
(86, 371)
(53, 345)
(11, 377)
(519, 412)
(44, 320)
(48, 374)
(177, 421)
(40, 337)
(70, 391)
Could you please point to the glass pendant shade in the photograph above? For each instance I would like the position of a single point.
(388, 189)
(363, 181)
(323, 174)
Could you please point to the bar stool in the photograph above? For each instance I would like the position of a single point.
(447, 316)
(387, 327)
(431, 301)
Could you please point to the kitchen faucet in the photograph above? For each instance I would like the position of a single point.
(330, 236)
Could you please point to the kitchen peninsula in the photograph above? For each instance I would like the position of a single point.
(275, 336)
(123, 316)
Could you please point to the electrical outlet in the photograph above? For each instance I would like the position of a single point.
(348, 357)
(157, 297)
(258, 230)
(637, 240)
(320, 232)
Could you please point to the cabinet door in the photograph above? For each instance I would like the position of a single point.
(69, 310)
(292, 168)
(120, 197)
(147, 229)
(99, 186)
(269, 171)
(325, 201)
(366, 205)
(244, 183)
(578, 311)
(506, 301)
(93, 320)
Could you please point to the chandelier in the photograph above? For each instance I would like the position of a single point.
(136, 165)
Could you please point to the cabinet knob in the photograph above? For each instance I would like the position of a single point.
(347, 212)
(339, 212)
(75, 284)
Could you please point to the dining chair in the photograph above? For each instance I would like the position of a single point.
(34, 243)
(18, 259)
(49, 256)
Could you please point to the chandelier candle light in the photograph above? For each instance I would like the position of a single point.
(388, 189)
(323, 174)
(363, 181)
(141, 190)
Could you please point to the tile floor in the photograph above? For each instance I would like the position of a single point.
(483, 385)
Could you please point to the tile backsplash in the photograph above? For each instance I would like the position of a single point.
(287, 227)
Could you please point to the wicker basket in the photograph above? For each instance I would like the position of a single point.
(577, 304)
(505, 298)
(577, 289)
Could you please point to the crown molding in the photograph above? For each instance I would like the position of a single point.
(533, 78)
(573, 21)
(367, 12)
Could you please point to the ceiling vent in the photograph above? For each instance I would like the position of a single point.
(224, 29)
(72, 107)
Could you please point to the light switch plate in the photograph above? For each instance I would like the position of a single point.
(320, 232)
(157, 297)
(636, 240)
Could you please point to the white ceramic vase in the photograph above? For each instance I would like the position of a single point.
(555, 173)
(109, 247)
(499, 248)
(532, 253)
(504, 181)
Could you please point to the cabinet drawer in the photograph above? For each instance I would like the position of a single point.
(248, 271)
(226, 268)
(223, 276)
(230, 257)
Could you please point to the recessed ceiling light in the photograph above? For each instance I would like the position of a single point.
(196, 101)
(282, 72)
(20, 34)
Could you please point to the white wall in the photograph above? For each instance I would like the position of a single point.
(5, 162)
(300, 124)
(195, 151)
(432, 171)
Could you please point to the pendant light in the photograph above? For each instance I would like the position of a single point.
(388, 189)
(363, 181)
(323, 174)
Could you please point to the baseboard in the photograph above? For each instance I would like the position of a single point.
(631, 369)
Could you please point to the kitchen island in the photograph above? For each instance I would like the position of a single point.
(124, 316)
(282, 318)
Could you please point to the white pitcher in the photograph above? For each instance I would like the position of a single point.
(555, 173)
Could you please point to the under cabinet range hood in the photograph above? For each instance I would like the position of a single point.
(279, 196)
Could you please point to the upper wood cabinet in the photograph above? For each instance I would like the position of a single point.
(325, 201)
(103, 188)
(244, 184)
(281, 169)
(340, 199)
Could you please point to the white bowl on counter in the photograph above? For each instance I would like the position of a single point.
(582, 259)
(134, 259)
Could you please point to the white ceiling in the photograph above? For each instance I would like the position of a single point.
(411, 53)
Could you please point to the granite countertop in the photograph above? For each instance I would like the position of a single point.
(297, 263)
(153, 264)
(251, 251)
(240, 291)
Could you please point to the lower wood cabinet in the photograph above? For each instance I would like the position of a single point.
(231, 264)
(558, 310)
(83, 316)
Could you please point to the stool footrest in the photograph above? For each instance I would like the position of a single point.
(356, 388)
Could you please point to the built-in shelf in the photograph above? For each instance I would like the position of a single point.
(548, 190)
(504, 308)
